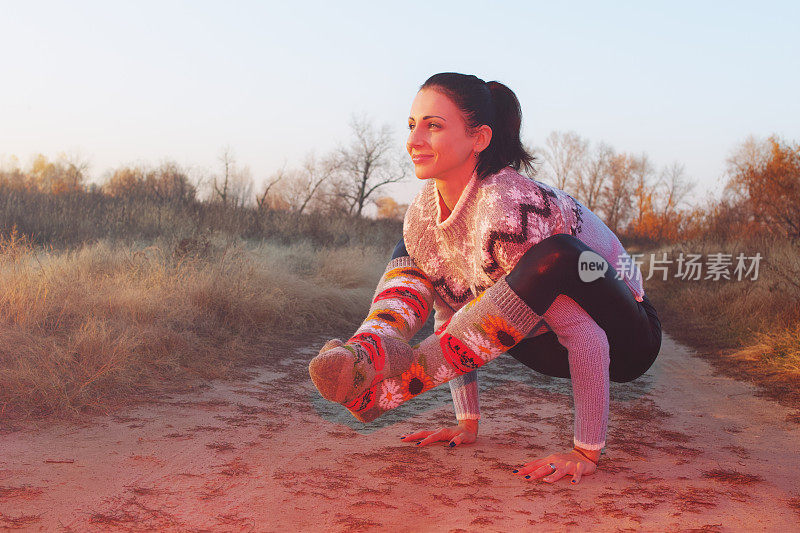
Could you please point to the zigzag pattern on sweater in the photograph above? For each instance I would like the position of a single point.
(443, 288)
(498, 237)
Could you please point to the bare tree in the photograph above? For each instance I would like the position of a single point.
(263, 200)
(674, 187)
(313, 175)
(616, 195)
(594, 175)
(751, 153)
(221, 184)
(565, 154)
(235, 185)
(367, 164)
(241, 188)
(642, 187)
(170, 183)
(76, 168)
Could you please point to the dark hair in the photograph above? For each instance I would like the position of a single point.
(492, 104)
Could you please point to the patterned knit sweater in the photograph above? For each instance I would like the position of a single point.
(495, 221)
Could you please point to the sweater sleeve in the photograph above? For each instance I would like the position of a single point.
(463, 388)
(588, 353)
(401, 303)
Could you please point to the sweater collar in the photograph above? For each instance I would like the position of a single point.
(460, 210)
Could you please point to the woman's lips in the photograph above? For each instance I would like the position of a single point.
(420, 158)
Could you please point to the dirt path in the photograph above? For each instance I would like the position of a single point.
(688, 450)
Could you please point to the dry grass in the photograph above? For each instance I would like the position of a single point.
(69, 220)
(752, 328)
(103, 324)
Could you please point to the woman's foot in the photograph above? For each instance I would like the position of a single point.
(345, 372)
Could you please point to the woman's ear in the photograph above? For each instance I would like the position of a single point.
(482, 138)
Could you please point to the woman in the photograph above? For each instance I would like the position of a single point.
(497, 255)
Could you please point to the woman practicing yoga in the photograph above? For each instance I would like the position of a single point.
(508, 264)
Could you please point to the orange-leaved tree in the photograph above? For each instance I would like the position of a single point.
(764, 181)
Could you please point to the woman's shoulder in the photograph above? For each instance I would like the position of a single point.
(508, 187)
(508, 178)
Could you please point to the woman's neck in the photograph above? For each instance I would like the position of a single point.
(450, 189)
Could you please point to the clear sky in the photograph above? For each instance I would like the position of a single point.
(126, 82)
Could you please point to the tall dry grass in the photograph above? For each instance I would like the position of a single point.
(762, 316)
(68, 220)
(85, 329)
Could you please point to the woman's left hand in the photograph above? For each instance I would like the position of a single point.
(565, 463)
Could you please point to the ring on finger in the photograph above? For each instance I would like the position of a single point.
(553, 467)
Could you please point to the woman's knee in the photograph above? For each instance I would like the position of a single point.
(552, 253)
(636, 361)
(546, 266)
(400, 249)
(626, 375)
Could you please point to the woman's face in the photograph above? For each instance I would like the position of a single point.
(438, 141)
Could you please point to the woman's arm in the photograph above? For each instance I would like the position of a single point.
(588, 353)
(464, 389)
(516, 224)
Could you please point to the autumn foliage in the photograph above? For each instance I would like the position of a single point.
(765, 186)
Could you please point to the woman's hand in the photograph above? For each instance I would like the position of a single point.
(574, 463)
(466, 432)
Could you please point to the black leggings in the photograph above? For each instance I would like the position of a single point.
(550, 268)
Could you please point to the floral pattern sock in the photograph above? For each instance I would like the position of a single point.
(486, 327)
(403, 299)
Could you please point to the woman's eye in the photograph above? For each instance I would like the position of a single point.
(430, 124)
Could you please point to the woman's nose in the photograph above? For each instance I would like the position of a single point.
(414, 138)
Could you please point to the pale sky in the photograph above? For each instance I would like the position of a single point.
(127, 82)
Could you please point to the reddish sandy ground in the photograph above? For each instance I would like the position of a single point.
(687, 450)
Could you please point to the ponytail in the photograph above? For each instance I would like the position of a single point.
(505, 148)
(494, 105)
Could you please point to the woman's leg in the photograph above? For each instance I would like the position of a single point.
(551, 268)
(400, 307)
(542, 353)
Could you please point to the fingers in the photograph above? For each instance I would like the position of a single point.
(576, 477)
(415, 436)
(533, 465)
(560, 472)
(436, 436)
(544, 472)
(452, 435)
(551, 468)
(428, 437)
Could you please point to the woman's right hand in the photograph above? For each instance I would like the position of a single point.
(466, 432)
